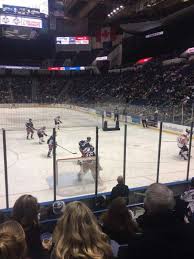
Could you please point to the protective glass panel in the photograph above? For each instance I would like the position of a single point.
(29, 169)
(191, 166)
(2, 174)
(142, 154)
(173, 166)
(111, 141)
(75, 177)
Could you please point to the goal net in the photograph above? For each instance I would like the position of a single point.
(76, 172)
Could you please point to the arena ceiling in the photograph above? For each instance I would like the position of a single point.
(134, 11)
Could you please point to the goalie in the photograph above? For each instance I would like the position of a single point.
(87, 151)
(182, 142)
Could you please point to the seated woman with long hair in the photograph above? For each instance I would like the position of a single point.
(78, 236)
(12, 241)
(25, 211)
(118, 223)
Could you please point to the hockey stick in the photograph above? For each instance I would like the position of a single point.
(73, 153)
(31, 128)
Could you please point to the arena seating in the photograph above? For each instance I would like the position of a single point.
(152, 84)
(137, 230)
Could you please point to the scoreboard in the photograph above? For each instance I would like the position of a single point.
(23, 19)
(79, 40)
(25, 7)
(78, 43)
(24, 13)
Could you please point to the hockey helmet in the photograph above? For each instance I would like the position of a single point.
(88, 139)
(44, 128)
(30, 119)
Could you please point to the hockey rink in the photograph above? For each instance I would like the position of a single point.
(31, 172)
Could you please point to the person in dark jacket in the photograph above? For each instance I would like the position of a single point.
(164, 234)
(120, 190)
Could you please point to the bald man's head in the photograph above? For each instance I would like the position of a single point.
(158, 199)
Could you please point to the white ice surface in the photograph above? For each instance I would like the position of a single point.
(30, 171)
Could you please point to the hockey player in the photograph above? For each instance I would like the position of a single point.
(83, 144)
(87, 151)
(182, 142)
(50, 143)
(116, 114)
(144, 120)
(41, 133)
(30, 129)
(57, 121)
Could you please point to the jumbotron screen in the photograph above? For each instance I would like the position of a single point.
(24, 7)
(23, 13)
(78, 43)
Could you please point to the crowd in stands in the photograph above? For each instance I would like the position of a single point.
(152, 84)
(72, 58)
(164, 230)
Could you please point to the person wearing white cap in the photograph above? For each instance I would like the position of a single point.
(58, 208)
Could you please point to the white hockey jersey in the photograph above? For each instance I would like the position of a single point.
(182, 140)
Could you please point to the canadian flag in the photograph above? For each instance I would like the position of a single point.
(106, 34)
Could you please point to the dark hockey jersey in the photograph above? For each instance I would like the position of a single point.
(29, 125)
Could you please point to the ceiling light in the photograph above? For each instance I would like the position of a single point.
(121, 6)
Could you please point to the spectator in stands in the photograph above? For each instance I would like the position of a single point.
(12, 241)
(188, 197)
(164, 235)
(118, 222)
(120, 190)
(53, 212)
(181, 210)
(77, 235)
(25, 211)
(58, 208)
